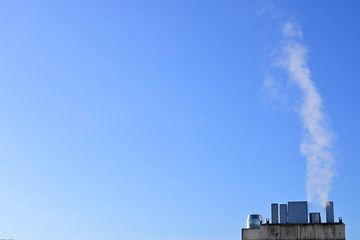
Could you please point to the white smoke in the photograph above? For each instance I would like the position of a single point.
(317, 143)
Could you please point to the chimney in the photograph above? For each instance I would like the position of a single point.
(283, 213)
(330, 212)
(274, 213)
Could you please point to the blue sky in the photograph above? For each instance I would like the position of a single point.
(148, 119)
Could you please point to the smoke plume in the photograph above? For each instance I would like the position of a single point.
(317, 142)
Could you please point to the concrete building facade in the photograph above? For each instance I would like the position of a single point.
(322, 231)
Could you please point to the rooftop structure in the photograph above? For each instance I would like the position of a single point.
(295, 224)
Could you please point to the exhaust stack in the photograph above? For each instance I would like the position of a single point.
(283, 213)
(274, 213)
(330, 212)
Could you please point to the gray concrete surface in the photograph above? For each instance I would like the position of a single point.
(324, 231)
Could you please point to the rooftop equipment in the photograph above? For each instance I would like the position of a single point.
(330, 212)
(254, 221)
(274, 213)
(298, 212)
(315, 217)
(283, 213)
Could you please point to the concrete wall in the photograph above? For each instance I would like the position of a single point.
(324, 231)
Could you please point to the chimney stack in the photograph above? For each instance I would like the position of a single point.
(283, 213)
(330, 212)
(274, 213)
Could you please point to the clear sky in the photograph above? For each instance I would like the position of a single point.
(149, 120)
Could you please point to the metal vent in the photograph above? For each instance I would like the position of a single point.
(315, 217)
(254, 221)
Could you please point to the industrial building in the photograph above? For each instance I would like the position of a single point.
(294, 223)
